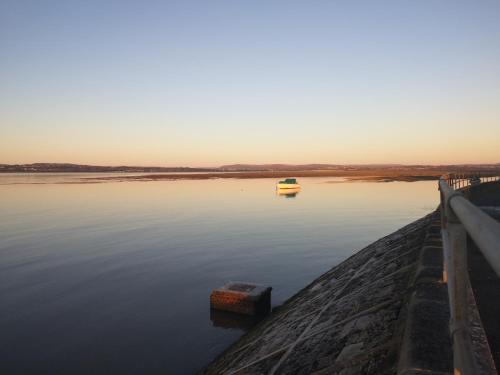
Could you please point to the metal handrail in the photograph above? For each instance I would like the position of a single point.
(483, 229)
(459, 218)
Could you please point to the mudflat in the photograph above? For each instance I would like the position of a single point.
(374, 175)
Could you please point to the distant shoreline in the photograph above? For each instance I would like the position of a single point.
(357, 175)
(350, 173)
(346, 169)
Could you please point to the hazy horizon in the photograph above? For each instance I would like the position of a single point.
(205, 84)
(252, 164)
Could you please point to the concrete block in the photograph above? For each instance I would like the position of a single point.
(427, 343)
(242, 298)
(429, 275)
(432, 256)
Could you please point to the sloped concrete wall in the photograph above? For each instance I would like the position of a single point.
(351, 320)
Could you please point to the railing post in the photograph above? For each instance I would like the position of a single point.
(442, 208)
(457, 277)
(459, 282)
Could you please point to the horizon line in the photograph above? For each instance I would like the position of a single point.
(256, 164)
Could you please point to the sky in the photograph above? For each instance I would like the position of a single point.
(207, 83)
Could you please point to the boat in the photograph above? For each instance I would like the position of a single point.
(289, 183)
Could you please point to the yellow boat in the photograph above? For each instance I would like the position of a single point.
(289, 183)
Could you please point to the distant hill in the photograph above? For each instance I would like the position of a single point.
(298, 167)
(340, 167)
(277, 167)
(64, 167)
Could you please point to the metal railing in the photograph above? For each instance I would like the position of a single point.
(464, 180)
(459, 218)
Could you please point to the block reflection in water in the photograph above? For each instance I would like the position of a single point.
(231, 320)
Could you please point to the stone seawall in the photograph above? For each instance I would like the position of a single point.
(354, 318)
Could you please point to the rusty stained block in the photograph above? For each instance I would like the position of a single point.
(242, 298)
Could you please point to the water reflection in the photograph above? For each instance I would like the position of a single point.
(114, 277)
(288, 193)
(229, 320)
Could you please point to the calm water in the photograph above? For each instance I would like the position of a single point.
(115, 277)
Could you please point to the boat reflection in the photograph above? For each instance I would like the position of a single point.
(288, 193)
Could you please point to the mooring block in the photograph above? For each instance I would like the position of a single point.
(242, 298)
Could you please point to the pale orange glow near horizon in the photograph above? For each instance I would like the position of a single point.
(151, 157)
(353, 145)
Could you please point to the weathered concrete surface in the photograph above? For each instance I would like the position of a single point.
(352, 319)
(426, 345)
(486, 194)
(486, 287)
(485, 283)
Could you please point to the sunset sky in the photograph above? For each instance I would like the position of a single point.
(206, 83)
